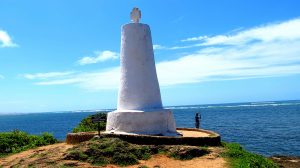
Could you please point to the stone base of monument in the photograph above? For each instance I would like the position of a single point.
(150, 122)
(190, 136)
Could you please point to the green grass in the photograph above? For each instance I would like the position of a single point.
(116, 151)
(109, 151)
(17, 141)
(240, 158)
(86, 124)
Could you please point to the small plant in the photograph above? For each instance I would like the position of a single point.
(238, 157)
(124, 159)
(141, 152)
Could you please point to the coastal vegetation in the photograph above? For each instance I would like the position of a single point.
(103, 151)
(238, 157)
(86, 124)
(17, 141)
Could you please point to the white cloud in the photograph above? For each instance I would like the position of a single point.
(5, 40)
(195, 38)
(105, 79)
(261, 60)
(160, 47)
(99, 57)
(288, 30)
(47, 75)
(266, 51)
(269, 50)
(69, 80)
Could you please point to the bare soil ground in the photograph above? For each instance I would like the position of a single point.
(52, 156)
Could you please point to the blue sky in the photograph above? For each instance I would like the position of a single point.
(64, 55)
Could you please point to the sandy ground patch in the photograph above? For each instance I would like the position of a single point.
(187, 133)
(52, 156)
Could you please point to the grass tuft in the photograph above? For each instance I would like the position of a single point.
(124, 159)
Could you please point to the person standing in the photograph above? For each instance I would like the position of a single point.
(197, 120)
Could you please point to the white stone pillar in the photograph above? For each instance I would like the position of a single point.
(140, 109)
(139, 89)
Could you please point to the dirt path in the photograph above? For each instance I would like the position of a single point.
(52, 156)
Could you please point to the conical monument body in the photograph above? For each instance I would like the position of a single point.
(140, 109)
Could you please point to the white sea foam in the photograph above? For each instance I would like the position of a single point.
(252, 104)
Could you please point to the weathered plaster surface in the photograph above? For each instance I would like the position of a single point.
(151, 122)
(139, 87)
(140, 109)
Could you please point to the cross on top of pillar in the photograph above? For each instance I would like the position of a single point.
(135, 15)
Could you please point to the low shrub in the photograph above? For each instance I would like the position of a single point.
(16, 141)
(86, 124)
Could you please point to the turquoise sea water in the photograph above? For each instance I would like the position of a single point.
(266, 128)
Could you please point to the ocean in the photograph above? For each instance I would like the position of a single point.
(267, 128)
